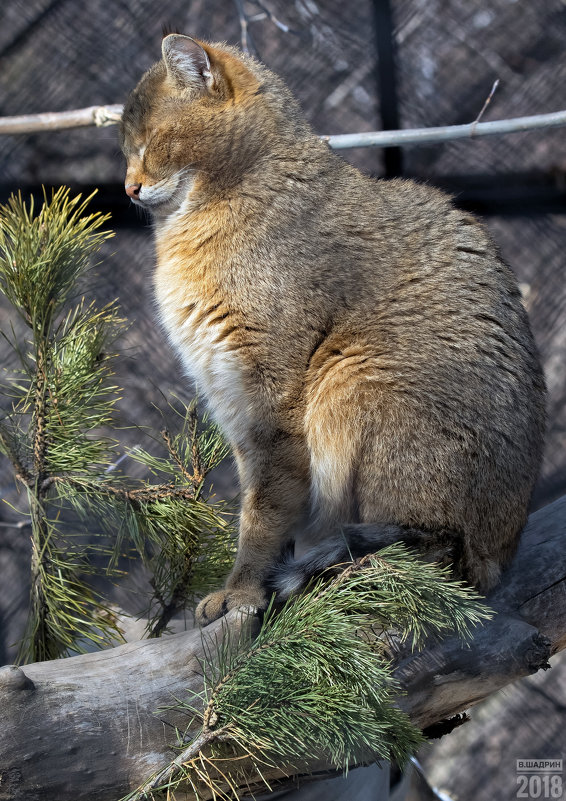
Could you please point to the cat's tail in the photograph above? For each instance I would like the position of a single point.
(474, 564)
(351, 542)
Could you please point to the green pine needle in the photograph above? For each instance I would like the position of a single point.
(42, 255)
(61, 402)
(312, 684)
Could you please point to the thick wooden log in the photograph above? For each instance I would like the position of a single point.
(96, 726)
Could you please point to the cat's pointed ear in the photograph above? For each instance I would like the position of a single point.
(187, 61)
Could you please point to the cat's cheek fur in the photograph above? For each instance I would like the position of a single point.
(167, 196)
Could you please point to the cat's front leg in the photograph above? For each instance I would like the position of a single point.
(274, 480)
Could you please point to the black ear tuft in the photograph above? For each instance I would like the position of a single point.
(168, 28)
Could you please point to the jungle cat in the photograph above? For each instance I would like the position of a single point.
(360, 342)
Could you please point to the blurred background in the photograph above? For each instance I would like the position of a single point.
(368, 65)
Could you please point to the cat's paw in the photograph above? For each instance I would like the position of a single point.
(221, 602)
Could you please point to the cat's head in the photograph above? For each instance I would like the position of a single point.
(203, 114)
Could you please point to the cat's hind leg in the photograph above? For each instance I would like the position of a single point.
(336, 427)
(391, 463)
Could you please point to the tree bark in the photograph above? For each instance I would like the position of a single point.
(96, 726)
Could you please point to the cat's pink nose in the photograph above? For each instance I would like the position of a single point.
(133, 190)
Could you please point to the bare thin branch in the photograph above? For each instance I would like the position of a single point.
(487, 101)
(163, 776)
(54, 121)
(109, 115)
(19, 525)
(246, 40)
(282, 26)
(418, 136)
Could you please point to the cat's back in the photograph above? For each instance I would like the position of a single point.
(428, 300)
(431, 290)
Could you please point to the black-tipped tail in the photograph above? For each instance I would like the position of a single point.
(291, 575)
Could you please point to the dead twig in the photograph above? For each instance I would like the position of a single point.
(248, 45)
(486, 104)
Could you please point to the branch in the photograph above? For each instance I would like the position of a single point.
(487, 101)
(109, 115)
(265, 12)
(117, 705)
(57, 120)
(21, 472)
(472, 130)
(150, 493)
(246, 41)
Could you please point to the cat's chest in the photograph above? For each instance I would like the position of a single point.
(202, 327)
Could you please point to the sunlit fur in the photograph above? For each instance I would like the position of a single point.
(360, 342)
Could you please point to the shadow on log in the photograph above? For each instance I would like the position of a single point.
(96, 726)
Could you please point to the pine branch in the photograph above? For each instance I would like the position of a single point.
(313, 682)
(59, 396)
(178, 570)
(41, 257)
(194, 545)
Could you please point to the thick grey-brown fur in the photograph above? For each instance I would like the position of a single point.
(361, 342)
